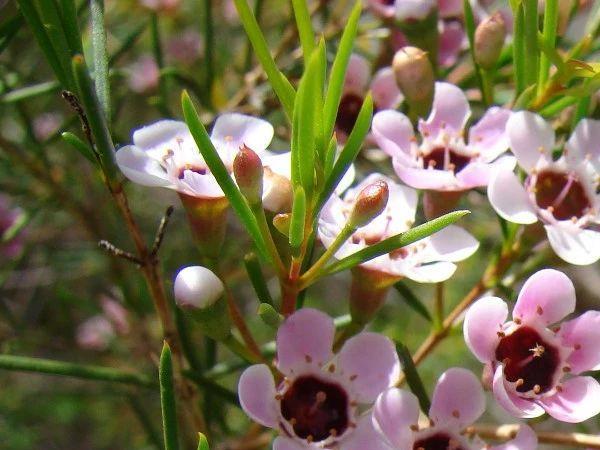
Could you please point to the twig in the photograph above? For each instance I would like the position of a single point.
(116, 251)
(160, 232)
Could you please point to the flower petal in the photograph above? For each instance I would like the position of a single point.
(283, 443)
(306, 337)
(489, 135)
(162, 131)
(256, 390)
(384, 89)
(437, 180)
(526, 439)
(509, 198)
(382, 9)
(450, 8)
(232, 130)
(451, 42)
(453, 244)
(429, 273)
(547, 296)
(516, 406)
(141, 168)
(529, 135)
(394, 413)
(584, 142)
(574, 245)
(583, 334)
(364, 437)
(478, 174)
(393, 132)
(450, 111)
(482, 322)
(371, 361)
(458, 398)
(578, 400)
(358, 74)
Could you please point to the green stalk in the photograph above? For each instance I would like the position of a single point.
(163, 105)
(519, 50)
(549, 36)
(531, 44)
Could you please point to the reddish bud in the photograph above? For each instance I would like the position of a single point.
(248, 172)
(414, 74)
(370, 202)
(489, 40)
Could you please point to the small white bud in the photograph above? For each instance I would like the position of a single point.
(197, 287)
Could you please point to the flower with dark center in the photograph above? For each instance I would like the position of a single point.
(441, 160)
(563, 194)
(317, 403)
(457, 402)
(536, 367)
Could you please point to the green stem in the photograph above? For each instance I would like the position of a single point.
(531, 45)
(519, 50)
(439, 306)
(487, 87)
(209, 53)
(263, 226)
(159, 58)
(549, 36)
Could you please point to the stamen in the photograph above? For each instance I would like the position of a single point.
(537, 389)
(537, 351)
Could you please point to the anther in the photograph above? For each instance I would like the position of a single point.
(456, 414)
(537, 389)
(519, 382)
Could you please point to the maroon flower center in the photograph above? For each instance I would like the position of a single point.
(348, 112)
(560, 192)
(443, 158)
(528, 359)
(196, 169)
(438, 441)
(387, 2)
(316, 409)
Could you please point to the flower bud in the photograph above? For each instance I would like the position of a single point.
(248, 172)
(489, 40)
(414, 75)
(370, 202)
(269, 316)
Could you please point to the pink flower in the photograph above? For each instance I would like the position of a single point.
(428, 260)
(319, 402)
(536, 368)
(358, 81)
(144, 75)
(165, 153)
(562, 194)
(46, 124)
(186, 47)
(457, 402)
(161, 5)
(441, 160)
(95, 333)
(116, 313)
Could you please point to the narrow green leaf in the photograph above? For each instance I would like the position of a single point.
(68, 14)
(549, 39)
(412, 377)
(531, 41)
(519, 50)
(80, 146)
(257, 279)
(100, 56)
(338, 70)
(9, 29)
(51, 367)
(305, 29)
(350, 150)
(282, 87)
(202, 442)
(217, 168)
(270, 316)
(30, 92)
(581, 111)
(167, 399)
(395, 242)
(298, 218)
(330, 157)
(412, 300)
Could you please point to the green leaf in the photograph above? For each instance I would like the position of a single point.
(338, 70)
(531, 41)
(298, 218)
(519, 49)
(30, 92)
(395, 242)
(9, 29)
(202, 442)
(100, 56)
(217, 168)
(80, 146)
(257, 279)
(412, 300)
(282, 87)
(412, 377)
(269, 316)
(548, 39)
(305, 29)
(68, 14)
(167, 399)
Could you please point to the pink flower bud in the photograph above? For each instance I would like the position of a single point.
(369, 204)
(248, 172)
(414, 74)
(489, 40)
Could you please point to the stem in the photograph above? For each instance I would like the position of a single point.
(241, 350)
(263, 227)
(549, 35)
(439, 306)
(240, 324)
(158, 56)
(487, 87)
(209, 39)
(531, 47)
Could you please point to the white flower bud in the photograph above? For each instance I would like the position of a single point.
(196, 287)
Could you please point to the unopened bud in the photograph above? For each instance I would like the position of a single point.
(269, 316)
(370, 202)
(408, 10)
(489, 40)
(248, 172)
(282, 223)
(414, 75)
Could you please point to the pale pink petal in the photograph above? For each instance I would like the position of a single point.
(393, 132)
(526, 439)
(393, 414)
(574, 245)
(516, 406)
(451, 42)
(159, 132)
(358, 74)
(429, 273)
(547, 297)
(141, 168)
(199, 185)
(450, 8)
(256, 390)
(577, 401)
(478, 174)
(232, 130)
(414, 9)
(437, 180)
(488, 136)
(482, 323)
(382, 9)
(371, 362)
(453, 244)
(450, 110)
(305, 337)
(364, 437)
(458, 398)
(530, 138)
(584, 142)
(283, 443)
(509, 198)
(385, 91)
(583, 334)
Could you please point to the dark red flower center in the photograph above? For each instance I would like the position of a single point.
(348, 112)
(442, 158)
(196, 169)
(528, 359)
(560, 192)
(388, 2)
(438, 441)
(315, 408)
